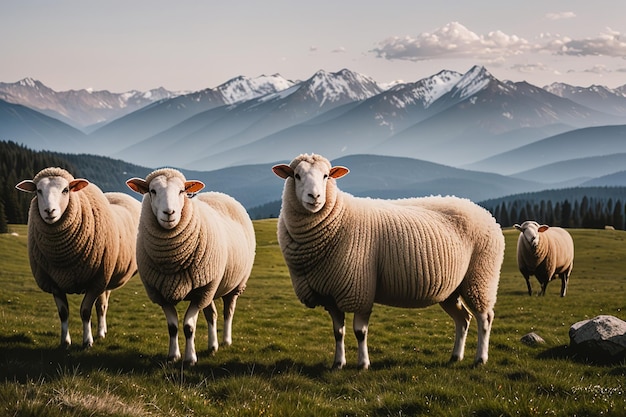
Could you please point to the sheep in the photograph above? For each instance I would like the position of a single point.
(346, 253)
(544, 252)
(194, 247)
(80, 240)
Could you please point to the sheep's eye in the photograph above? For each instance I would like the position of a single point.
(325, 176)
(153, 192)
(297, 176)
(39, 192)
(66, 190)
(181, 192)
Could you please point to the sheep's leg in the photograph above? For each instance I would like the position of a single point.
(339, 330)
(64, 314)
(462, 317)
(86, 306)
(530, 289)
(172, 326)
(102, 306)
(230, 303)
(189, 328)
(484, 320)
(360, 325)
(564, 279)
(210, 313)
(544, 285)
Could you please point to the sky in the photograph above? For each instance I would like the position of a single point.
(123, 45)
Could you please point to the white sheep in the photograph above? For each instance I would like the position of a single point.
(192, 247)
(80, 240)
(347, 253)
(544, 252)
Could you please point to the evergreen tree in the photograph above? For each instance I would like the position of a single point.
(3, 220)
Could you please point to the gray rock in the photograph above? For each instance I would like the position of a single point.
(602, 338)
(532, 339)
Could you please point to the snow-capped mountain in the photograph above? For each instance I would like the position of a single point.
(166, 114)
(597, 97)
(450, 118)
(242, 88)
(482, 116)
(78, 108)
(220, 130)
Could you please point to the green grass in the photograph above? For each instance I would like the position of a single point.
(279, 363)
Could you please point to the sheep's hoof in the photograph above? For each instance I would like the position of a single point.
(364, 366)
(190, 363)
(337, 366)
(173, 359)
(454, 358)
(87, 345)
(479, 362)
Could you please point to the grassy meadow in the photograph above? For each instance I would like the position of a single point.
(279, 363)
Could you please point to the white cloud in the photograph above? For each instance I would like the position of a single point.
(598, 69)
(341, 49)
(530, 68)
(452, 41)
(610, 43)
(456, 41)
(560, 15)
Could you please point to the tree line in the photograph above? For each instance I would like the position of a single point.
(16, 164)
(579, 207)
(584, 207)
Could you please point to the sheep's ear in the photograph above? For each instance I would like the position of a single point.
(518, 227)
(338, 172)
(193, 187)
(138, 185)
(28, 186)
(78, 184)
(543, 228)
(283, 171)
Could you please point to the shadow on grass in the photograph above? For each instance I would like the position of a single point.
(20, 361)
(569, 353)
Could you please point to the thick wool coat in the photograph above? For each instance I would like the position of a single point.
(407, 253)
(91, 247)
(207, 255)
(553, 255)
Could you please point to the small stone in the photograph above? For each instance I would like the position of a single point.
(532, 339)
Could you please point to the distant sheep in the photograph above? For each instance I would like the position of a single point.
(544, 252)
(347, 253)
(80, 240)
(192, 247)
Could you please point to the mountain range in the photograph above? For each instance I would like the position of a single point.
(473, 124)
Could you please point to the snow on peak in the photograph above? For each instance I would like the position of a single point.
(474, 80)
(340, 85)
(440, 84)
(242, 88)
(28, 82)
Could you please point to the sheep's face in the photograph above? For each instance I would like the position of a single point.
(311, 185)
(53, 195)
(310, 181)
(167, 196)
(531, 231)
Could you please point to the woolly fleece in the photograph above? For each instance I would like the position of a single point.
(553, 255)
(211, 249)
(91, 247)
(406, 253)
